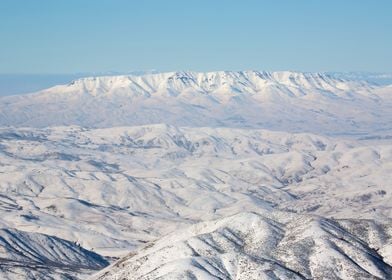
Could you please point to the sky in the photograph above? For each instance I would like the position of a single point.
(91, 36)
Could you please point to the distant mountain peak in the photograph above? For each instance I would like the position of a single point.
(292, 101)
(205, 80)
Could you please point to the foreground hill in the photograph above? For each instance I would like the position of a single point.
(25, 255)
(286, 101)
(263, 246)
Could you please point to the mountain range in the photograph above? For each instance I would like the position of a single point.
(283, 101)
(184, 175)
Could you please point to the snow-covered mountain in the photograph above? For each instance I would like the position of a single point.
(117, 190)
(286, 101)
(183, 175)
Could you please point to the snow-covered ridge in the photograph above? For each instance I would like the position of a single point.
(256, 246)
(246, 81)
(26, 255)
(285, 101)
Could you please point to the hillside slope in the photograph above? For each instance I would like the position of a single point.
(255, 246)
(25, 255)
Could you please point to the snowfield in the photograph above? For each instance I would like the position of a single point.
(223, 175)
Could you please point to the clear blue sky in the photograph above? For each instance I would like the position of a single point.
(69, 36)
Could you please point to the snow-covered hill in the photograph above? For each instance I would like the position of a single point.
(286, 101)
(114, 190)
(256, 246)
(25, 255)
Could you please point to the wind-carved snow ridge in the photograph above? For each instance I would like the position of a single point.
(286, 101)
